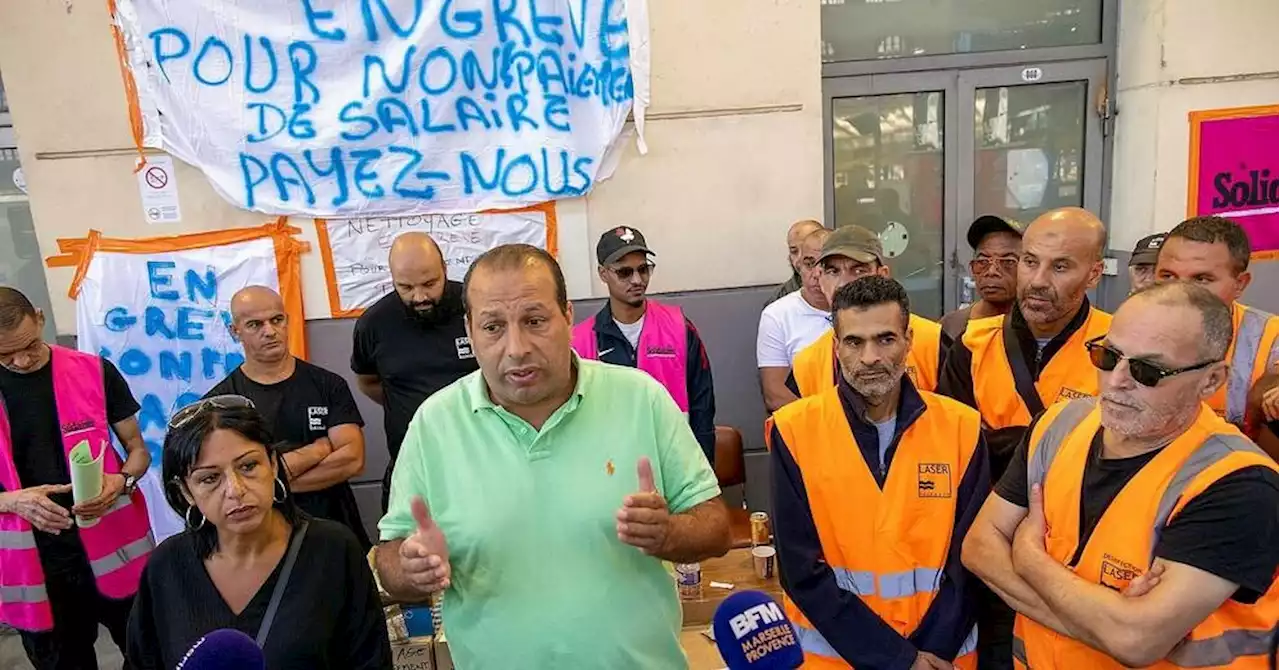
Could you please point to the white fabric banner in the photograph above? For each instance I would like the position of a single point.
(358, 248)
(162, 319)
(389, 107)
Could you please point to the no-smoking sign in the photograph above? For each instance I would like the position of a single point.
(159, 190)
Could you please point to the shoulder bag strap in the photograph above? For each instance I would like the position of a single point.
(278, 592)
(1024, 381)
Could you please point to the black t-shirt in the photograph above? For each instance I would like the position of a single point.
(1229, 530)
(38, 453)
(329, 617)
(299, 411)
(413, 359)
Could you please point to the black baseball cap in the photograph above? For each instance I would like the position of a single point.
(990, 223)
(1147, 250)
(619, 242)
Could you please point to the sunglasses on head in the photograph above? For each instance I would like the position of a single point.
(625, 272)
(196, 409)
(1106, 358)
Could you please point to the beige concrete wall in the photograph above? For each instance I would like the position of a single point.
(735, 145)
(1178, 56)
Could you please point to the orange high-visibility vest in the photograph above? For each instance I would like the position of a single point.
(1236, 635)
(1254, 338)
(1069, 374)
(888, 547)
(815, 366)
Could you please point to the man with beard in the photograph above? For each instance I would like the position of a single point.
(306, 406)
(869, 543)
(637, 332)
(996, 242)
(546, 491)
(413, 341)
(1139, 527)
(1011, 367)
(795, 235)
(791, 324)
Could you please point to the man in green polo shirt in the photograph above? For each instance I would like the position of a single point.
(542, 493)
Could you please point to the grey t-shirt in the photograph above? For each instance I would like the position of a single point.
(885, 431)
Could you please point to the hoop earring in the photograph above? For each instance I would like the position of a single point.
(284, 493)
(187, 518)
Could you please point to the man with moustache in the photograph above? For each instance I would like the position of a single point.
(996, 242)
(1213, 252)
(306, 406)
(413, 341)
(795, 235)
(791, 324)
(548, 489)
(1011, 367)
(1138, 528)
(875, 483)
(655, 337)
(849, 253)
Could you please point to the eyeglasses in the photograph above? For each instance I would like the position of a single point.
(1148, 374)
(981, 264)
(196, 409)
(626, 272)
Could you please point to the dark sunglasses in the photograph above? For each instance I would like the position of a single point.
(626, 272)
(196, 409)
(1148, 374)
(980, 265)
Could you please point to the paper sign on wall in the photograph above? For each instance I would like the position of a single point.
(355, 250)
(387, 107)
(158, 187)
(1235, 172)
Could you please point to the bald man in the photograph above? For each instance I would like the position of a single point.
(795, 236)
(1010, 367)
(306, 406)
(791, 324)
(413, 341)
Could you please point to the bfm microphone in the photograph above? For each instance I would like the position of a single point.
(224, 649)
(753, 633)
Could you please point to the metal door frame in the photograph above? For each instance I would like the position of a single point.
(942, 81)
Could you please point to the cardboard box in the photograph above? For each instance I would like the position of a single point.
(443, 660)
(416, 653)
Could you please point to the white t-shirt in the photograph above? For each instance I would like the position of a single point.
(787, 326)
(631, 331)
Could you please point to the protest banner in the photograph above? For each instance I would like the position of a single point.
(1235, 172)
(159, 309)
(386, 107)
(354, 251)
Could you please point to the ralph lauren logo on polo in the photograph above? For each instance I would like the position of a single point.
(933, 480)
(77, 426)
(657, 351)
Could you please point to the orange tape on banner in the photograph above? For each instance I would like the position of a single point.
(130, 86)
(548, 210)
(79, 252)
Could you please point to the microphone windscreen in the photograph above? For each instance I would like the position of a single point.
(224, 649)
(753, 633)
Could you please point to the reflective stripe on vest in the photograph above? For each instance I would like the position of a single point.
(812, 642)
(17, 539)
(24, 594)
(1184, 469)
(122, 556)
(892, 585)
(662, 350)
(1247, 343)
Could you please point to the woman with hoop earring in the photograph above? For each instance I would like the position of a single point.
(249, 559)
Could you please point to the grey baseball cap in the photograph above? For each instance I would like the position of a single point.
(854, 242)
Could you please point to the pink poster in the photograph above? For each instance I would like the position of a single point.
(1234, 171)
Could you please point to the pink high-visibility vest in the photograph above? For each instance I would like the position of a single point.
(117, 546)
(663, 349)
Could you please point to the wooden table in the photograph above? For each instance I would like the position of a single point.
(734, 568)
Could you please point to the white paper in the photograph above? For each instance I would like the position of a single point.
(158, 186)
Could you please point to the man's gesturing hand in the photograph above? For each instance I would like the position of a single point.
(33, 504)
(424, 556)
(644, 521)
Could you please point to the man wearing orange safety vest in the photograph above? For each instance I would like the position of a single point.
(875, 484)
(60, 578)
(1214, 252)
(1139, 528)
(848, 253)
(1011, 367)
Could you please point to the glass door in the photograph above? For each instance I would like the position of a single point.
(915, 157)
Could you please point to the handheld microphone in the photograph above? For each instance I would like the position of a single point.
(224, 649)
(753, 633)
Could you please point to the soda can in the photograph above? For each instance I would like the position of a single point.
(689, 580)
(759, 528)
